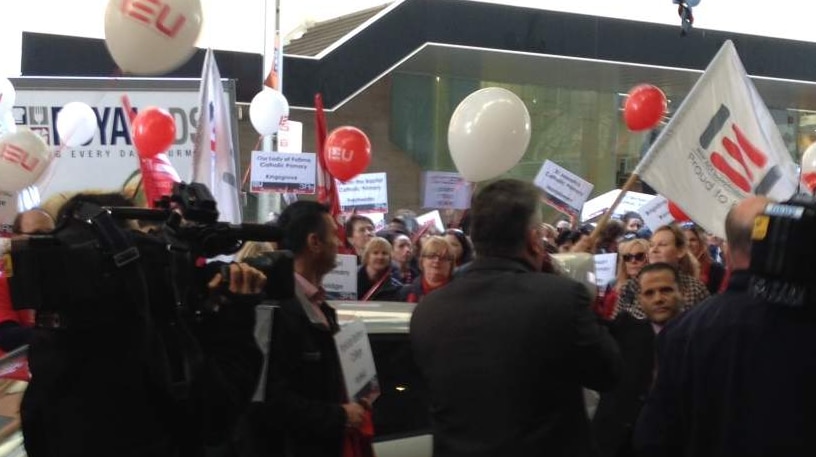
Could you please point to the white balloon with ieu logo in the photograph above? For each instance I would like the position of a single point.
(23, 158)
(152, 37)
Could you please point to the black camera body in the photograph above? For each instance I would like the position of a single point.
(94, 256)
(783, 251)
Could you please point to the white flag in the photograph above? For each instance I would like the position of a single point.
(720, 146)
(214, 154)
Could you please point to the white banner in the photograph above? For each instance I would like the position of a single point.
(656, 213)
(632, 201)
(283, 172)
(366, 193)
(214, 157)
(109, 162)
(565, 190)
(445, 190)
(357, 362)
(341, 283)
(719, 147)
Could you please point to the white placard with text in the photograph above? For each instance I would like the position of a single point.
(366, 193)
(357, 362)
(283, 172)
(656, 213)
(433, 218)
(565, 190)
(341, 283)
(445, 190)
(605, 268)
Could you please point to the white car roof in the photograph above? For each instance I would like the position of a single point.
(379, 317)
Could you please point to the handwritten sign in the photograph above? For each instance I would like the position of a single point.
(341, 283)
(445, 190)
(564, 190)
(656, 213)
(367, 193)
(632, 201)
(357, 362)
(433, 218)
(283, 172)
(605, 268)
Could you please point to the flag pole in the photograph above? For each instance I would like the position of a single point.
(269, 202)
(630, 183)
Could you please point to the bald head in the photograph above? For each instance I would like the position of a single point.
(738, 226)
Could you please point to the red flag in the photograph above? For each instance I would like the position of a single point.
(326, 188)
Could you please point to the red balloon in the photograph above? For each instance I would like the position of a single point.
(644, 108)
(154, 130)
(677, 213)
(347, 152)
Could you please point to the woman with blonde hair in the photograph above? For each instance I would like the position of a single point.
(632, 257)
(668, 244)
(375, 280)
(436, 263)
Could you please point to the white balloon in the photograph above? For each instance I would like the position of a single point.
(7, 96)
(23, 157)
(267, 110)
(488, 133)
(76, 124)
(150, 38)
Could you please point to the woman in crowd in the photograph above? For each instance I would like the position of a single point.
(711, 273)
(632, 222)
(632, 257)
(668, 244)
(374, 277)
(462, 248)
(436, 267)
(402, 257)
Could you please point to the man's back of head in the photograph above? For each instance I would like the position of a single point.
(300, 219)
(33, 221)
(503, 213)
(738, 226)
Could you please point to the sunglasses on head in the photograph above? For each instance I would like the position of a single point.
(639, 257)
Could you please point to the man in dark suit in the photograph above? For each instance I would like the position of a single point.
(618, 409)
(506, 348)
(305, 413)
(737, 373)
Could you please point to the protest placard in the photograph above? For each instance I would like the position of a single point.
(445, 190)
(341, 283)
(564, 190)
(656, 213)
(366, 193)
(357, 362)
(283, 172)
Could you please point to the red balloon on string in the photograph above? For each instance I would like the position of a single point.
(644, 108)
(677, 213)
(347, 152)
(154, 130)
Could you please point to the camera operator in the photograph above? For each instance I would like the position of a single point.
(128, 372)
(737, 372)
(305, 413)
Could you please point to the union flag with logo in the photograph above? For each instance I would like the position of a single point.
(719, 147)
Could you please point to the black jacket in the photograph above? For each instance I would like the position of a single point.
(387, 292)
(506, 351)
(124, 379)
(302, 414)
(618, 409)
(736, 378)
